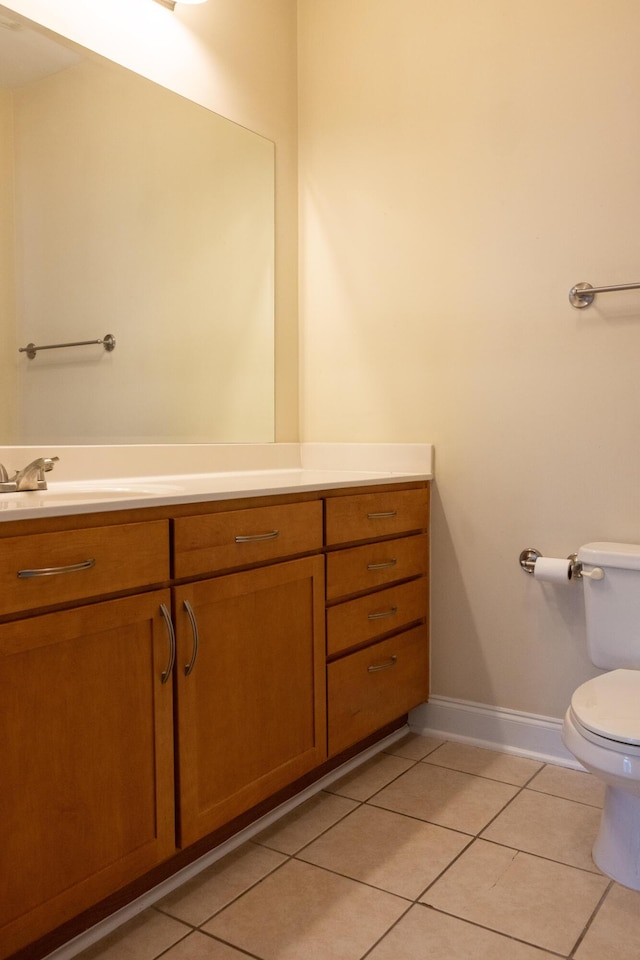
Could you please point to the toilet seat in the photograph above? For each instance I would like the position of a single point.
(607, 709)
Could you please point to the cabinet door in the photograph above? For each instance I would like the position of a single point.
(252, 710)
(87, 759)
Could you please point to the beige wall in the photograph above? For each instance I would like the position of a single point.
(237, 57)
(463, 164)
(7, 287)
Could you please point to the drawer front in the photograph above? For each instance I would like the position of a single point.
(53, 568)
(375, 686)
(376, 564)
(239, 538)
(372, 515)
(357, 621)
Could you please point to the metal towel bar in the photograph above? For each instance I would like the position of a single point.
(583, 293)
(108, 342)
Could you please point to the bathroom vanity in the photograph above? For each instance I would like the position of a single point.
(173, 666)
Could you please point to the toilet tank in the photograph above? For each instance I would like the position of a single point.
(612, 605)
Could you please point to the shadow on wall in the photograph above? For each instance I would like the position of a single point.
(499, 637)
(452, 618)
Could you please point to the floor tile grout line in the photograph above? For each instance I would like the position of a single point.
(464, 850)
(538, 856)
(229, 943)
(500, 933)
(557, 796)
(432, 823)
(252, 886)
(163, 953)
(594, 913)
(483, 776)
(387, 932)
(359, 803)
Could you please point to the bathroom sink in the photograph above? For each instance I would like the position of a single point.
(116, 490)
(81, 491)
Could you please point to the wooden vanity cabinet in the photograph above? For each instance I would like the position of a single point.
(87, 759)
(297, 628)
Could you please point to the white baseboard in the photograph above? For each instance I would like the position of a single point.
(100, 930)
(497, 728)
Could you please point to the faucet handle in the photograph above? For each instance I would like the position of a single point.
(4, 476)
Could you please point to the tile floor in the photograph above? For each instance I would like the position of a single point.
(431, 850)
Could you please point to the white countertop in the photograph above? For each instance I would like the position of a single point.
(93, 494)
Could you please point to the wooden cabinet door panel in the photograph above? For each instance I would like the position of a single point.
(87, 759)
(252, 713)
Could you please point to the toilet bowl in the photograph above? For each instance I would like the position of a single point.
(602, 725)
(602, 730)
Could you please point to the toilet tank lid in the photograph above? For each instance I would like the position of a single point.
(604, 554)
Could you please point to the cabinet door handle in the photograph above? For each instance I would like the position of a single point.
(164, 676)
(383, 565)
(391, 662)
(387, 515)
(194, 630)
(248, 538)
(53, 571)
(383, 614)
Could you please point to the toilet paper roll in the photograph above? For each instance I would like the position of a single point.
(552, 570)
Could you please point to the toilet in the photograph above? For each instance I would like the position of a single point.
(602, 725)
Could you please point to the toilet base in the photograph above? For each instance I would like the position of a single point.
(617, 848)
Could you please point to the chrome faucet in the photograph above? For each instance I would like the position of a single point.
(30, 477)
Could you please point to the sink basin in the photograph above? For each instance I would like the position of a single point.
(116, 490)
(82, 491)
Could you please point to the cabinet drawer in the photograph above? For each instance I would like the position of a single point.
(372, 515)
(376, 564)
(239, 538)
(374, 686)
(44, 569)
(357, 621)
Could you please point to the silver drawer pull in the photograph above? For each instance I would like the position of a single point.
(382, 516)
(164, 676)
(383, 614)
(194, 630)
(383, 565)
(53, 571)
(258, 536)
(391, 662)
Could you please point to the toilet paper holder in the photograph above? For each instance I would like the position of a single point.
(529, 556)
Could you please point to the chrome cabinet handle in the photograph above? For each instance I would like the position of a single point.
(383, 565)
(164, 676)
(53, 571)
(194, 630)
(391, 612)
(391, 662)
(248, 538)
(382, 516)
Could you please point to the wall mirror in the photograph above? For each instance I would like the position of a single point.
(128, 210)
